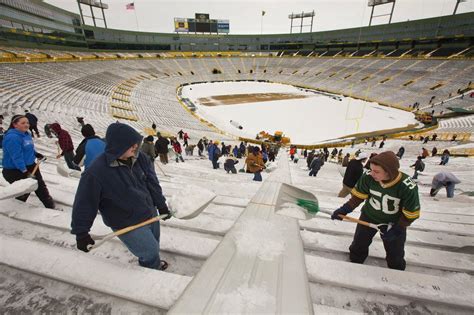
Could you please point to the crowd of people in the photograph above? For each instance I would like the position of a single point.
(119, 180)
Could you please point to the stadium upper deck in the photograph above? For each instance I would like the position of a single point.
(37, 23)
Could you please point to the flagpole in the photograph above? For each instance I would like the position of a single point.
(261, 23)
(136, 19)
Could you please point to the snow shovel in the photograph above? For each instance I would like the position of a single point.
(108, 237)
(21, 187)
(185, 208)
(59, 150)
(307, 201)
(65, 171)
(180, 214)
(161, 170)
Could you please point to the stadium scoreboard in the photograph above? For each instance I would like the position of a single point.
(372, 3)
(201, 23)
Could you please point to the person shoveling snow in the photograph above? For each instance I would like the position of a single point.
(391, 198)
(19, 157)
(123, 186)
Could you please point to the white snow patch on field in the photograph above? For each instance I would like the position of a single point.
(306, 121)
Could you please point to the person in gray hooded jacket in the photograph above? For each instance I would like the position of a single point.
(444, 179)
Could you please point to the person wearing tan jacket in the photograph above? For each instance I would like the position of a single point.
(255, 164)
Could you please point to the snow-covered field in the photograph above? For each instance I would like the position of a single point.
(306, 121)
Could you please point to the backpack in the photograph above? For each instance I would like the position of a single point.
(422, 166)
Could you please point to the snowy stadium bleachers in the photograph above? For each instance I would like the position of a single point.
(93, 88)
(440, 268)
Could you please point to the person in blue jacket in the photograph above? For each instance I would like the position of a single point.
(89, 148)
(123, 186)
(19, 158)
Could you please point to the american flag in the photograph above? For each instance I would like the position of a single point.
(130, 6)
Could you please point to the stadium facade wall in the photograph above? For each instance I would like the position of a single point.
(42, 24)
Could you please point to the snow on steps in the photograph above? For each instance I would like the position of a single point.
(421, 237)
(203, 223)
(454, 292)
(416, 256)
(430, 225)
(257, 268)
(141, 285)
(329, 310)
(181, 242)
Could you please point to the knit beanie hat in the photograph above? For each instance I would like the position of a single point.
(87, 130)
(388, 161)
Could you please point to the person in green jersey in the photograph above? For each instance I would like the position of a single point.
(390, 197)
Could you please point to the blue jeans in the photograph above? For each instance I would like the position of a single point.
(449, 189)
(257, 176)
(144, 243)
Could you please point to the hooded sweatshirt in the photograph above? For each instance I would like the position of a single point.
(18, 150)
(443, 178)
(124, 193)
(90, 148)
(395, 200)
(64, 139)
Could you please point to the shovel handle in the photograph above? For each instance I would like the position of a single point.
(35, 169)
(139, 225)
(361, 222)
(125, 230)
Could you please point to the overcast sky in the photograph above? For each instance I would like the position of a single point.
(246, 15)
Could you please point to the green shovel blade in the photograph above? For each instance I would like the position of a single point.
(310, 205)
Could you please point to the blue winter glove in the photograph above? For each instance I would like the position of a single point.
(344, 210)
(391, 232)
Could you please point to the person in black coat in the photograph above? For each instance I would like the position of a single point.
(161, 147)
(229, 164)
(354, 171)
(200, 146)
(315, 165)
(122, 185)
(33, 120)
(242, 149)
(419, 167)
(401, 152)
(310, 158)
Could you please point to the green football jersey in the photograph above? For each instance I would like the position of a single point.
(387, 202)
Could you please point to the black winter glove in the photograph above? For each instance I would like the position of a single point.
(344, 210)
(391, 232)
(29, 175)
(39, 156)
(165, 210)
(83, 242)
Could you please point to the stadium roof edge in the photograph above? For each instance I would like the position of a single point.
(394, 25)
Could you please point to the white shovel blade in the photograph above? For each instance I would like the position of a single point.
(190, 202)
(65, 171)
